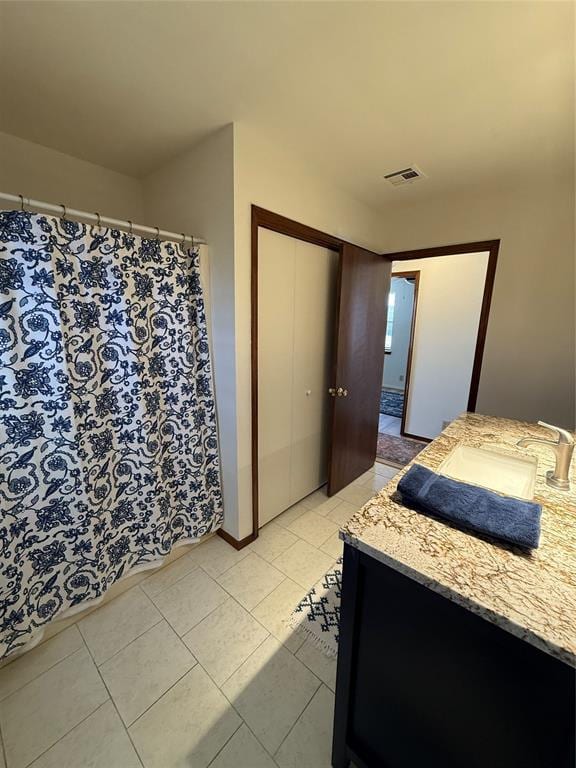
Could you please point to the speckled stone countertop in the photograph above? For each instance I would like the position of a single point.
(533, 596)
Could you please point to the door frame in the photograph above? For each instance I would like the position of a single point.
(415, 275)
(264, 219)
(483, 246)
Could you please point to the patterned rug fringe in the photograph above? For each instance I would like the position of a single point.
(295, 623)
(317, 615)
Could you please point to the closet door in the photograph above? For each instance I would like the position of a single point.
(314, 301)
(296, 301)
(275, 369)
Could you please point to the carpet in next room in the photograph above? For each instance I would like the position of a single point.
(391, 402)
(398, 451)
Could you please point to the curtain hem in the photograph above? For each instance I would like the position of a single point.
(38, 635)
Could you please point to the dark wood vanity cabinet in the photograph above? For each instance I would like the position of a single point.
(424, 683)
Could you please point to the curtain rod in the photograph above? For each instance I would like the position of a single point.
(61, 210)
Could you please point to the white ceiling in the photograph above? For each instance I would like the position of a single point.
(475, 93)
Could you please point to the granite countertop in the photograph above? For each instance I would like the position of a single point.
(533, 595)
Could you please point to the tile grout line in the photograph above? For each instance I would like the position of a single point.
(243, 722)
(268, 634)
(223, 747)
(196, 567)
(3, 745)
(247, 552)
(162, 618)
(198, 622)
(258, 603)
(114, 703)
(320, 683)
(191, 571)
(254, 735)
(238, 713)
(261, 601)
(148, 708)
(64, 735)
(198, 662)
(85, 647)
(44, 670)
(165, 618)
(298, 718)
(305, 707)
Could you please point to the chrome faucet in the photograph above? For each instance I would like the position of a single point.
(563, 449)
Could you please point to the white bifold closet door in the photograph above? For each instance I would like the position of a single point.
(296, 301)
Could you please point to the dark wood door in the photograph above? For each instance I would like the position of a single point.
(363, 286)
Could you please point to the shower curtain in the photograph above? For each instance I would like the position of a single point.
(108, 441)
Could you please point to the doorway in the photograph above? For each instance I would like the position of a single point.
(394, 447)
(357, 343)
(438, 310)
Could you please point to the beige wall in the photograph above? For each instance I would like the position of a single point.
(450, 294)
(529, 360)
(267, 175)
(35, 171)
(194, 193)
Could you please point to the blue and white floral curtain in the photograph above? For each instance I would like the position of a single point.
(108, 442)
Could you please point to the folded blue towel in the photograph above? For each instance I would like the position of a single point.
(512, 520)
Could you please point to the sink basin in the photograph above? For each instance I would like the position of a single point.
(512, 475)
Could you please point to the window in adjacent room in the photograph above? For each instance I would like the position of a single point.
(390, 321)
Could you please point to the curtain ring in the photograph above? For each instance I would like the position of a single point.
(98, 223)
(63, 214)
(130, 225)
(183, 237)
(192, 246)
(21, 203)
(157, 233)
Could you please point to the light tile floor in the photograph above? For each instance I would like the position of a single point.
(389, 425)
(193, 666)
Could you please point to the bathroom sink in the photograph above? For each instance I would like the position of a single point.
(512, 475)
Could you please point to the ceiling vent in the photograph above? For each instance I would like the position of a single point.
(405, 176)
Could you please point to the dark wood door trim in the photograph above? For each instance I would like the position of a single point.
(284, 226)
(236, 543)
(277, 223)
(483, 324)
(446, 250)
(492, 247)
(415, 275)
